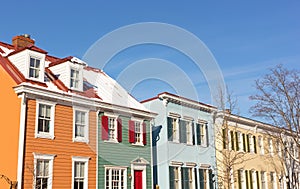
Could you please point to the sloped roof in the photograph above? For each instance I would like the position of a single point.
(97, 84)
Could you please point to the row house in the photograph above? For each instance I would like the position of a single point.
(252, 154)
(184, 145)
(68, 125)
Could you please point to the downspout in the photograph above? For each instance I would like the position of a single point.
(21, 139)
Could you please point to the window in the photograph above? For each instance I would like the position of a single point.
(261, 145)
(263, 180)
(252, 143)
(44, 119)
(137, 132)
(80, 126)
(240, 141)
(241, 179)
(202, 138)
(175, 177)
(189, 132)
(43, 171)
(205, 176)
(111, 128)
(273, 180)
(173, 129)
(80, 172)
(188, 181)
(270, 145)
(74, 79)
(34, 68)
(115, 178)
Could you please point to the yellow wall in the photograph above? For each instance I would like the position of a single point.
(9, 128)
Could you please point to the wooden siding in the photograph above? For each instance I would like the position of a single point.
(121, 154)
(9, 128)
(62, 146)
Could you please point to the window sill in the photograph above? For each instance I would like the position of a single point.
(111, 141)
(137, 144)
(80, 139)
(44, 135)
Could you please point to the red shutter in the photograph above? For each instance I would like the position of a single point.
(131, 132)
(144, 134)
(119, 120)
(104, 128)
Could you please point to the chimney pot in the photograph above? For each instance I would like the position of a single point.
(22, 41)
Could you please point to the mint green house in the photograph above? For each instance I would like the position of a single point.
(124, 139)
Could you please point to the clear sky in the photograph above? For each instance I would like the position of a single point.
(245, 37)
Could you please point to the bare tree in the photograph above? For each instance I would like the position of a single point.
(278, 101)
(12, 184)
(227, 156)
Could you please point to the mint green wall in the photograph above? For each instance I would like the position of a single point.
(121, 154)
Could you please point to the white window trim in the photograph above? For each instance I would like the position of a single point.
(139, 167)
(240, 141)
(176, 136)
(42, 66)
(189, 128)
(80, 76)
(49, 135)
(44, 157)
(270, 146)
(119, 168)
(86, 171)
(193, 175)
(114, 116)
(263, 176)
(141, 121)
(261, 145)
(86, 129)
(179, 173)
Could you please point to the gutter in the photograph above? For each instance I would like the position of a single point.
(21, 140)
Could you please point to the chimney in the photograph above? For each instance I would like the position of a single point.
(22, 41)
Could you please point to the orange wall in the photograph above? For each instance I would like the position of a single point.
(62, 146)
(9, 128)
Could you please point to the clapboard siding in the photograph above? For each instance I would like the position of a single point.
(121, 154)
(62, 146)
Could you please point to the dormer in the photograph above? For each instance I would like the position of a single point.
(70, 71)
(29, 59)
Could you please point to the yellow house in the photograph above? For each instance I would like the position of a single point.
(249, 154)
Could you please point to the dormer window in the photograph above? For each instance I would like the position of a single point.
(74, 79)
(34, 68)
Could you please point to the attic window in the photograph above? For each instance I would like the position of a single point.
(34, 68)
(74, 79)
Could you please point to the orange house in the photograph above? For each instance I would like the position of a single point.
(48, 125)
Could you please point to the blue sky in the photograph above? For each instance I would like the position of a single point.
(245, 37)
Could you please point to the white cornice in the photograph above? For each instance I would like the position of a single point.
(79, 100)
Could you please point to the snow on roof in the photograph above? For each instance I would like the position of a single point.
(109, 90)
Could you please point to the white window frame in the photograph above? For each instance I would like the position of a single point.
(140, 122)
(86, 128)
(273, 182)
(261, 145)
(175, 129)
(189, 132)
(49, 158)
(203, 134)
(251, 141)
(50, 134)
(85, 160)
(75, 79)
(120, 168)
(75, 67)
(243, 179)
(240, 141)
(40, 57)
(179, 180)
(254, 179)
(270, 146)
(115, 117)
(263, 180)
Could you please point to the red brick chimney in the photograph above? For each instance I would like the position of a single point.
(22, 41)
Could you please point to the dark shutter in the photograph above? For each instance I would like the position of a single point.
(250, 180)
(193, 133)
(119, 126)
(196, 178)
(247, 178)
(254, 143)
(131, 131)
(211, 182)
(144, 133)
(201, 178)
(248, 143)
(170, 129)
(232, 140)
(240, 179)
(206, 135)
(182, 133)
(224, 132)
(257, 179)
(244, 142)
(104, 121)
(198, 133)
(171, 177)
(237, 141)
